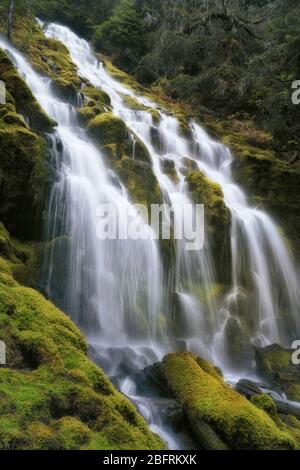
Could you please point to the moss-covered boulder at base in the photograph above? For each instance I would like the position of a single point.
(51, 395)
(233, 421)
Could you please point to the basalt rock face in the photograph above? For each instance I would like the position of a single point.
(218, 416)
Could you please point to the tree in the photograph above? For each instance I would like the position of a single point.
(122, 35)
(10, 19)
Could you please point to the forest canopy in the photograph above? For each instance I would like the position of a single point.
(234, 57)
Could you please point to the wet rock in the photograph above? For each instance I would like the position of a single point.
(274, 364)
(248, 388)
(251, 390)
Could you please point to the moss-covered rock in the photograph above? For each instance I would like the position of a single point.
(23, 177)
(47, 56)
(266, 403)
(51, 395)
(293, 392)
(22, 98)
(217, 218)
(107, 129)
(235, 421)
(273, 360)
(96, 102)
(271, 182)
(274, 363)
(138, 177)
(134, 104)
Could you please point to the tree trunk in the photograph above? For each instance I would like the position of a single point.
(10, 20)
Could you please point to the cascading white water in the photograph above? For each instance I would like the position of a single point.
(104, 285)
(195, 267)
(257, 248)
(108, 282)
(257, 245)
(110, 285)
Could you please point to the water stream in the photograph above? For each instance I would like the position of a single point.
(115, 290)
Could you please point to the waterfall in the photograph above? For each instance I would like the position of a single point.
(118, 291)
(258, 248)
(105, 285)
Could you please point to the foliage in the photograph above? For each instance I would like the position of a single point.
(122, 34)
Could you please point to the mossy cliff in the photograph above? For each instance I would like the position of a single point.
(23, 175)
(217, 218)
(46, 55)
(124, 151)
(51, 395)
(20, 96)
(219, 417)
(271, 182)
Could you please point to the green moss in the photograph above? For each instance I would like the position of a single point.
(22, 99)
(47, 56)
(293, 392)
(270, 181)
(107, 129)
(168, 167)
(209, 368)
(210, 194)
(22, 176)
(205, 398)
(217, 218)
(266, 403)
(133, 103)
(272, 359)
(97, 95)
(126, 79)
(139, 180)
(97, 102)
(51, 395)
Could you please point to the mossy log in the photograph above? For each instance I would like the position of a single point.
(204, 396)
